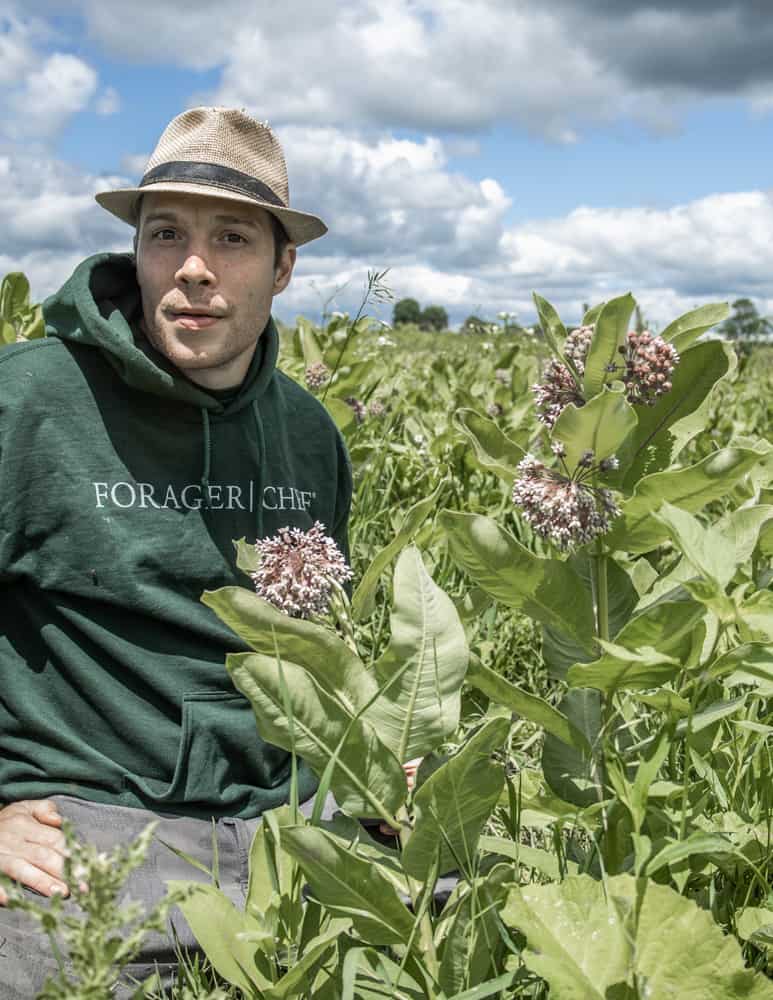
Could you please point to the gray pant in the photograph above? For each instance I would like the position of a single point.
(25, 958)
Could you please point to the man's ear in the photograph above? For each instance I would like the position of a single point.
(284, 271)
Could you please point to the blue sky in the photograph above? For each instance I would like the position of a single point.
(478, 149)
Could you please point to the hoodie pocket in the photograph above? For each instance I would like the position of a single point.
(221, 757)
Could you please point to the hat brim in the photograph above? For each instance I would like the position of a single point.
(301, 227)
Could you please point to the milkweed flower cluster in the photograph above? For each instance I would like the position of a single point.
(360, 410)
(298, 570)
(502, 375)
(577, 345)
(376, 409)
(649, 365)
(317, 375)
(494, 410)
(566, 511)
(557, 389)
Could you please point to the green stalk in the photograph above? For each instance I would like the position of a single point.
(426, 935)
(602, 592)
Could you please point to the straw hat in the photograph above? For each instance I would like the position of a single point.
(221, 152)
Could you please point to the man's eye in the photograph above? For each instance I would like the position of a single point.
(165, 235)
(235, 238)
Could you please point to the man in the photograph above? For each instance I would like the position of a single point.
(139, 439)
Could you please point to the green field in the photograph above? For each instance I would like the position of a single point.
(594, 716)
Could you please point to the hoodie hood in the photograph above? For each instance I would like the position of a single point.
(100, 306)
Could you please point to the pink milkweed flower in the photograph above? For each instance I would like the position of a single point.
(298, 570)
(568, 512)
(360, 411)
(317, 375)
(649, 365)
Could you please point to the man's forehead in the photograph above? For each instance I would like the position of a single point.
(173, 206)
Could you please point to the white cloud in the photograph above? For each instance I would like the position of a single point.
(387, 199)
(49, 218)
(712, 249)
(61, 86)
(461, 65)
(108, 102)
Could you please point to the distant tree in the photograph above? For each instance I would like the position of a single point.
(406, 311)
(745, 323)
(434, 318)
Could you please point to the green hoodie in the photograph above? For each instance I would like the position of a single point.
(122, 488)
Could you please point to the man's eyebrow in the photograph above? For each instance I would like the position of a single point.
(229, 220)
(236, 220)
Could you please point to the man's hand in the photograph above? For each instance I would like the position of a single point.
(32, 847)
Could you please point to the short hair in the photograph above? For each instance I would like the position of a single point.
(281, 239)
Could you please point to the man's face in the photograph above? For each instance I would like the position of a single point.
(205, 268)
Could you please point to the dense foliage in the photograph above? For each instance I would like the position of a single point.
(563, 602)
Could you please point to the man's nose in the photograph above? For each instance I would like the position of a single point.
(195, 270)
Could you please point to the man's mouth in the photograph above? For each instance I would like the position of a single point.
(192, 319)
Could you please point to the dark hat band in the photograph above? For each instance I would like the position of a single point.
(213, 175)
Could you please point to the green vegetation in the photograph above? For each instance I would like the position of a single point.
(564, 603)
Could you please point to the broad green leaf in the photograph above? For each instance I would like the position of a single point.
(766, 539)
(592, 314)
(470, 950)
(550, 324)
(217, 926)
(529, 857)
(695, 845)
(756, 615)
(494, 451)
(298, 980)
(747, 664)
(363, 601)
(33, 324)
(685, 330)
(656, 441)
(611, 328)
(453, 805)
(7, 332)
(591, 940)
(661, 634)
(689, 489)
(368, 780)
(247, 557)
(600, 426)
(349, 886)
(527, 706)
(271, 872)
(711, 554)
(516, 577)
(572, 774)
(559, 650)
(343, 415)
(667, 625)
(316, 648)
(620, 668)
(14, 294)
(670, 704)
(422, 669)
(349, 380)
(710, 715)
(309, 342)
(755, 924)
